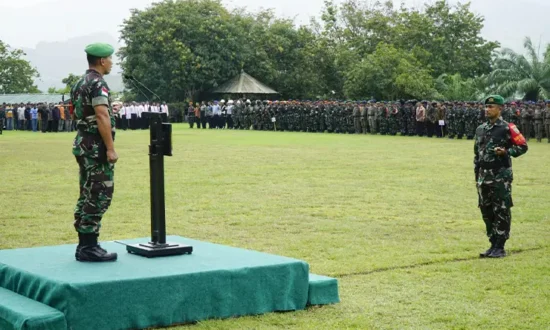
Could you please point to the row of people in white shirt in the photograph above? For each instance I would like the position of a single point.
(129, 109)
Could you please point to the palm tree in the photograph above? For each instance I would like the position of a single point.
(528, 77)
(456, 88)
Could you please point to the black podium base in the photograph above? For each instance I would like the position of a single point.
(151, 250)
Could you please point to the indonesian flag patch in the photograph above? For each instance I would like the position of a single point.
(104, 92)
(517, 138)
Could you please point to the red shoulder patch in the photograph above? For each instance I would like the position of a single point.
(517, 138)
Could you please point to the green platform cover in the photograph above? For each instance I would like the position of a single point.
(216, 281)
(322, 290)
(21, 313)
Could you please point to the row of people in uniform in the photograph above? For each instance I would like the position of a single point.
(129, 115)
(411, 117)
(37, 117)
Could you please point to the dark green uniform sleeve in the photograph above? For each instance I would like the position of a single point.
(476, 153)
(99, 93)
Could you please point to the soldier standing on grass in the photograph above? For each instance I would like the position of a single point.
(2, 116)
(495, 142)
(94, 150)
(547, 120)
(191, 115)
(538, 119)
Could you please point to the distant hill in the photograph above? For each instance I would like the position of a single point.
(55, 60)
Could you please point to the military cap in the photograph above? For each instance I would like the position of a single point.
(99, 50)
(494, 99)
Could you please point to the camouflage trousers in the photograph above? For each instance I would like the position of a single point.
(364, 127)
(495, 203)
(357, 125)
(372, 125)
(96, 182)
(538, 130)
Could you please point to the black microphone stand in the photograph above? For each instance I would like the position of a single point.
(160, 146)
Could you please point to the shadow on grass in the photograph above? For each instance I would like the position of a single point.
(433, 262)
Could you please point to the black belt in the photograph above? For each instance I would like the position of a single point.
(493, 166)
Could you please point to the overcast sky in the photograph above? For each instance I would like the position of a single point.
(24, 23)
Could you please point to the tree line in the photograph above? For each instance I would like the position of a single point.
(359, 50)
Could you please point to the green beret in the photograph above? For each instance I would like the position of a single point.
(494, 99)
(99, 50)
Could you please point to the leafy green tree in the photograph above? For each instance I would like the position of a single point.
(456, 44)
(53, 90)
(16, 74)
(444, 38)
(180, 48)
(526, 75)
(285, 57)
(70, 80)
(389, 74)
(184, 48)
(456, 88)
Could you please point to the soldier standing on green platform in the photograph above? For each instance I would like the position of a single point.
(95, 152)
(495, 142)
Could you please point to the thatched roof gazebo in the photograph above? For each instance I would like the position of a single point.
(243, 85)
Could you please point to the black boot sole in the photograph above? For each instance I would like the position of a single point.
(499, 255)
(95, 260)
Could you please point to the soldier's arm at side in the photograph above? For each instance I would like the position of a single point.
(104, 126)
(476, 155)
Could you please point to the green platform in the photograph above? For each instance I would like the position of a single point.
(18, 313)
(216, 281)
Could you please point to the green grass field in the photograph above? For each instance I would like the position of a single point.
(395, 219)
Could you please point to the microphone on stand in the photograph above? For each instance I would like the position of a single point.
(132, 79)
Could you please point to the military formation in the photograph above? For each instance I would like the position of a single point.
(407, 118)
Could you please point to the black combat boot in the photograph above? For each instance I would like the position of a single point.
(498, 251)
(488, 252)
(89, 250)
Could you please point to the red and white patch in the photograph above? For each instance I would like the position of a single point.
(517, 138)
(104, 92)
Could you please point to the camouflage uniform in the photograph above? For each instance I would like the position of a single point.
(547, 123)
(382, 119)
(2, 116)
(538, 121)
(450, 122)
(371, 119)
(494, 176)
(393, 119)
(526, 118)
(459, 121)
(364, 118)
(357, 119)
(96, 173)
(470, 121)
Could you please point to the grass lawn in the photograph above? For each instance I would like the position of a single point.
(395, 219)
